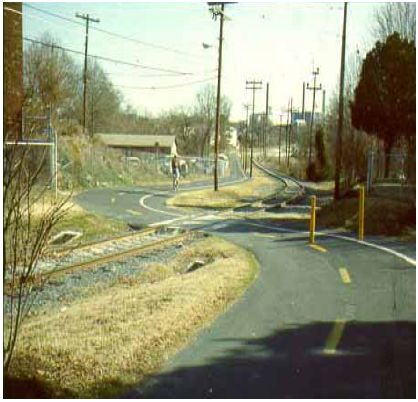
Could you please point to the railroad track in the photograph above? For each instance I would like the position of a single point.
(93, 260)
(293, 188)
(102, 253)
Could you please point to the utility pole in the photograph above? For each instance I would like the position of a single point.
(314, 89)
(340, 113)
(280, 137)
(287, 131)
(217, 9)
(303, 102)
(87, 18)
(247, 107)
(266, 120)
(253, 85)
(290, 130)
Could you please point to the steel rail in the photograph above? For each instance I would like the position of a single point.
(69, 248)
(91, 263)
(130, 252)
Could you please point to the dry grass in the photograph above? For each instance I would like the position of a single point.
(382, 216)
(260, 186)
(77, 219)
(104, 344)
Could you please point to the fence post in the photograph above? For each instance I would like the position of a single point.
(361, 213)
(313, 219)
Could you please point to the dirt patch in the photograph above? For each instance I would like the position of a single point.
(109, 341)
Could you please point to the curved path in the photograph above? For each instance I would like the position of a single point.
(142, 206)
(336, 320)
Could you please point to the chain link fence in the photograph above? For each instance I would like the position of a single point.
(400, 182)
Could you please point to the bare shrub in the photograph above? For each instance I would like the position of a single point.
(25, 235)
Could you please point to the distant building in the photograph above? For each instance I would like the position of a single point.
(133, 144)
(297, 118)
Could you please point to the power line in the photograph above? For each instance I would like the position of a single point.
(114, 34)
(109, 59)
(120, 62)
(168, 86)
(139, 76)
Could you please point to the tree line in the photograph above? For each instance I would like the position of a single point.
(380, 95)
(53, 79)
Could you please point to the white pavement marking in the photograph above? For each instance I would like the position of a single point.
(219, 226)
(142, 203)
(336, 236)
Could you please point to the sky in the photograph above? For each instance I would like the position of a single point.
(278, 42)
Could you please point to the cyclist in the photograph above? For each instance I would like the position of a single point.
(176, 172)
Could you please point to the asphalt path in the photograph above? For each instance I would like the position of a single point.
(334, 321)
(141, 206)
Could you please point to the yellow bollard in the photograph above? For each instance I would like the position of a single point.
(361, 213)
(312, 222)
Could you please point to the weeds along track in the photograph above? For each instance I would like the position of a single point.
(114, 249)
(111, 250)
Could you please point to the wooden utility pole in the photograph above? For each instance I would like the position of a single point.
(287, 131)
(253, 85)
(303, 102)
(247, 107)
(87, 18)
(290, 131)
(340, 113)
(266, 120)
(280, 137)
(314, 89)
(217, 9)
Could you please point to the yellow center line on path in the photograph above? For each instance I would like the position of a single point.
(334, 338)
(318, 248)
(345, 276)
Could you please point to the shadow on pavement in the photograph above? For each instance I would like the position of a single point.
(373, 360)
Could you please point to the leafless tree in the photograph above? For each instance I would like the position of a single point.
(205, 109)
(25, 234)
(399, 17)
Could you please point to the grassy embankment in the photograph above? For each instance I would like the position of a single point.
(110, 341)
(86, 163)
(384, 217)
(261, 186)
(388, 212)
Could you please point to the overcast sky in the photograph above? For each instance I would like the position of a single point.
(272, 42)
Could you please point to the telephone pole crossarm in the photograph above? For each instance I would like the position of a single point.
(253, 85)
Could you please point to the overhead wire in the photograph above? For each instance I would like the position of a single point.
(167, 86)
(114, 34)
(108, 59)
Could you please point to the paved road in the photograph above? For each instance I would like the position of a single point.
(337, 320)
(141, 206)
